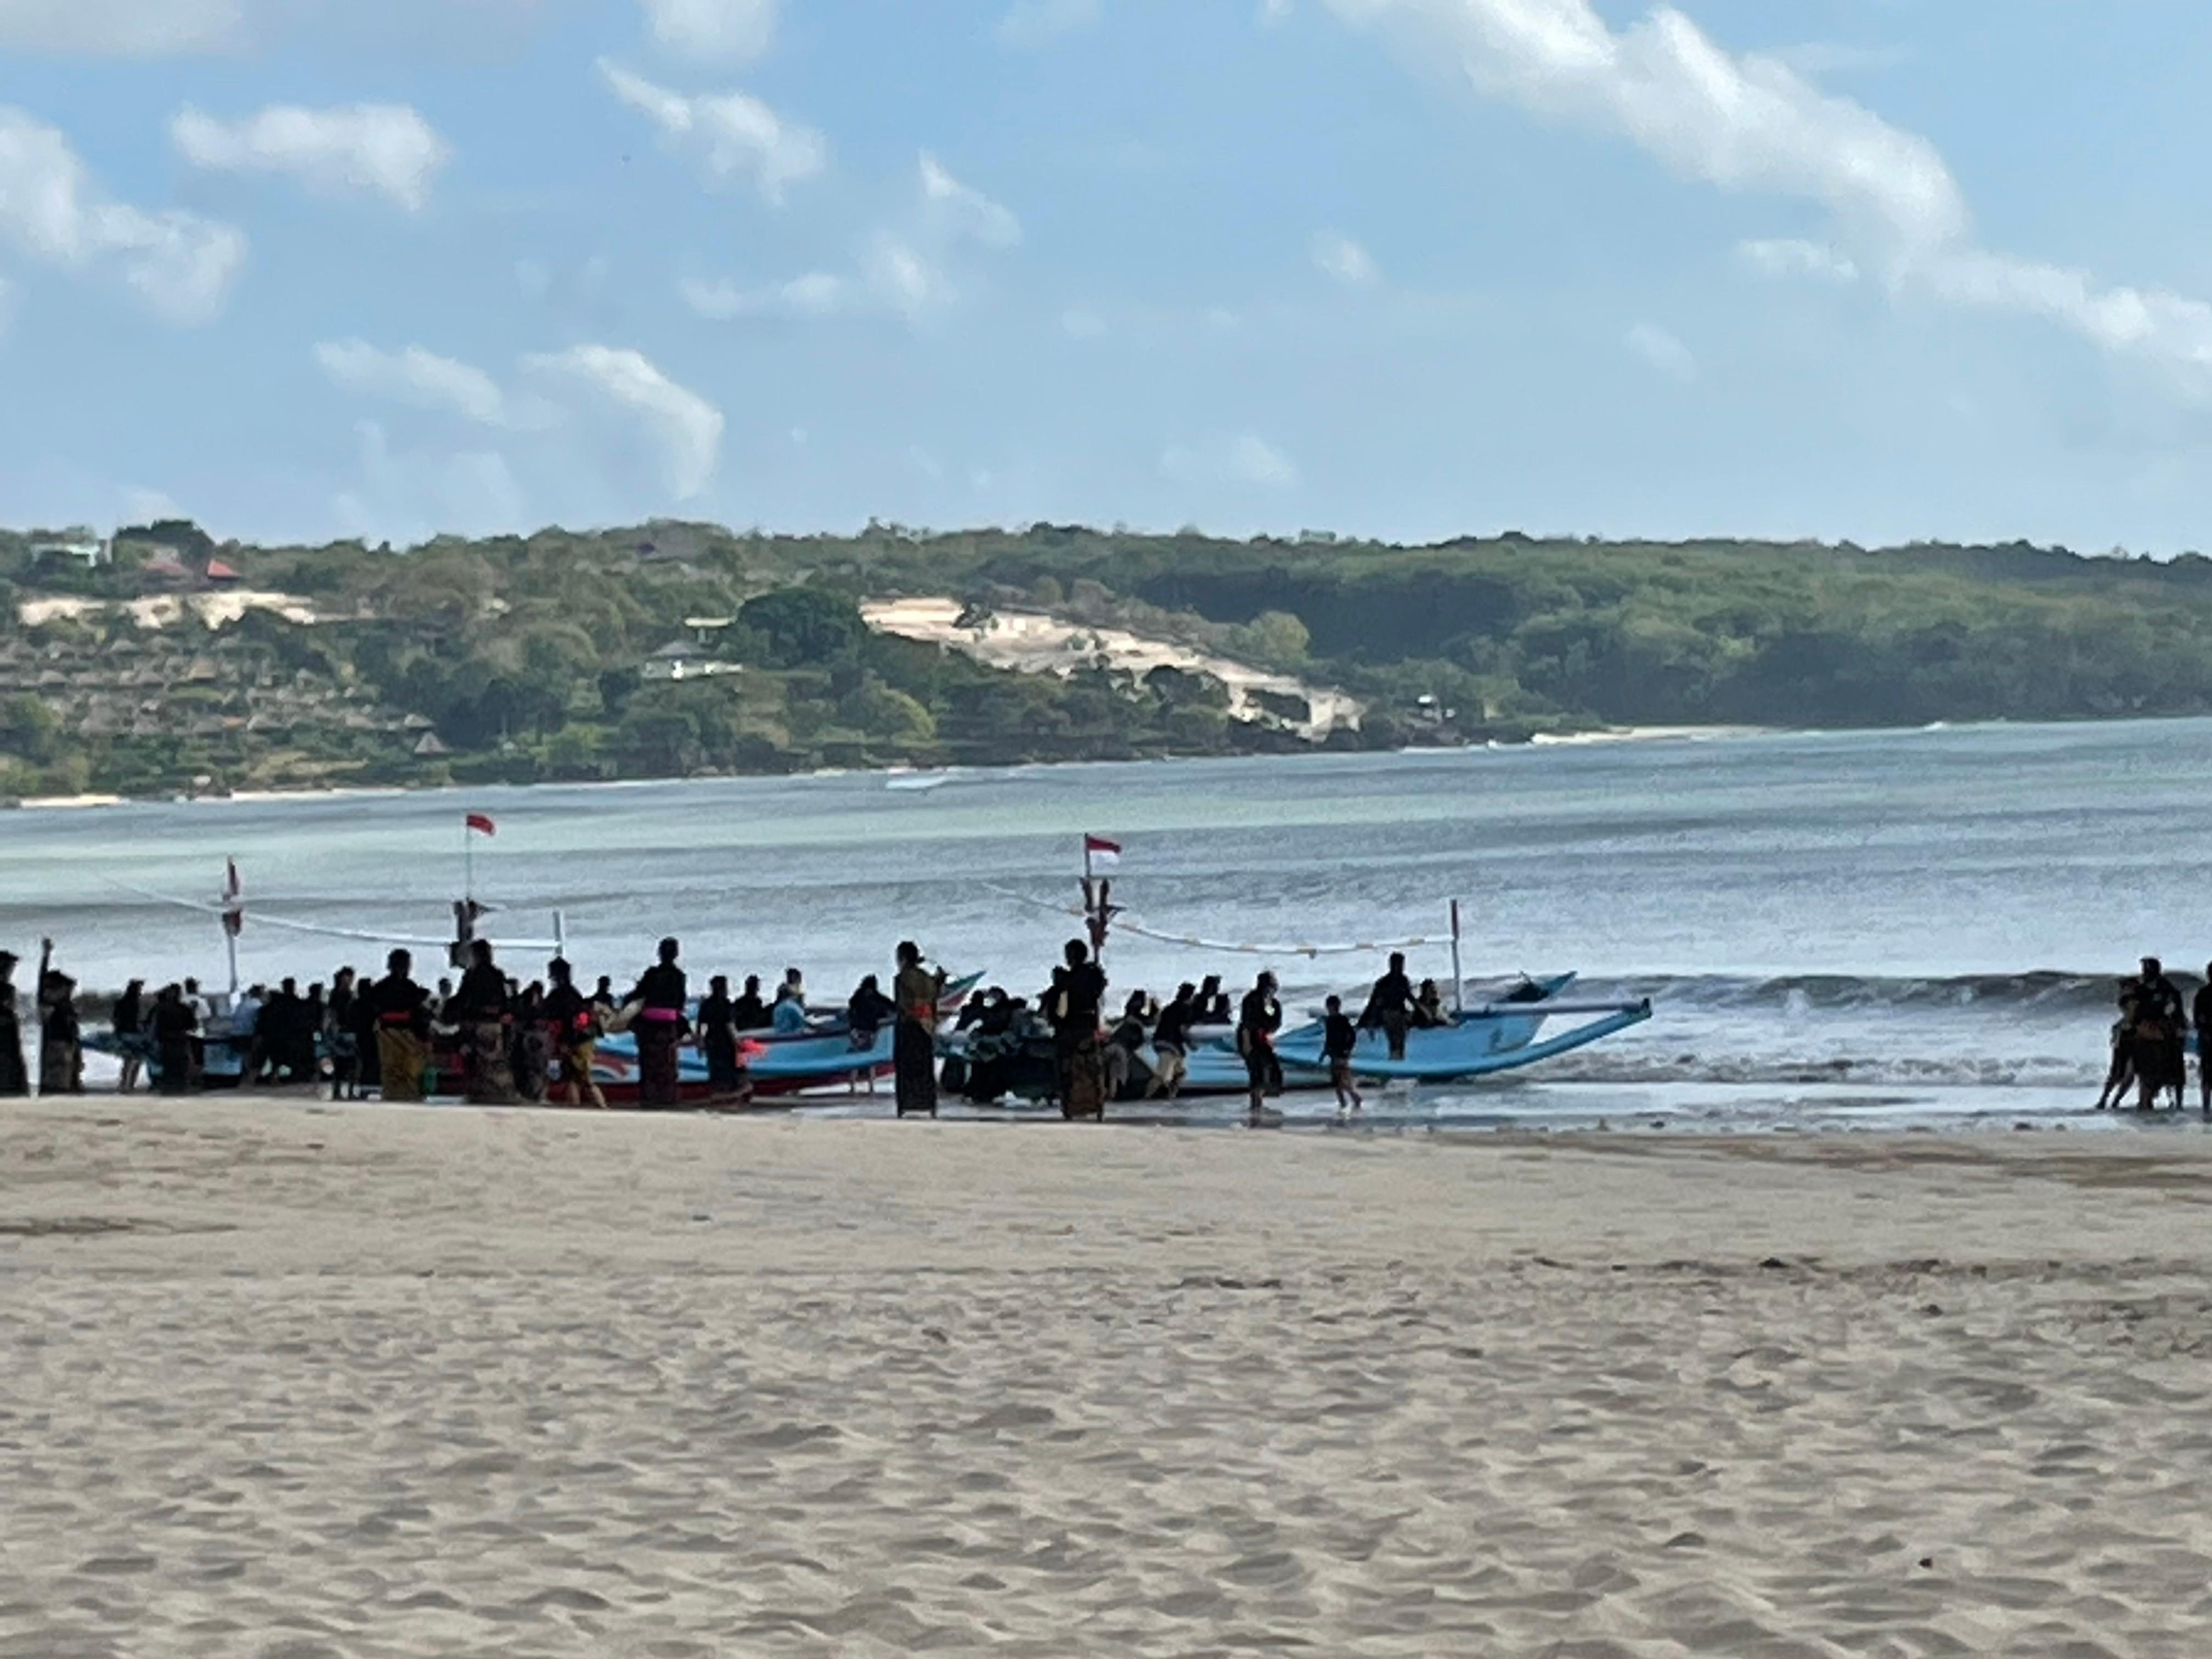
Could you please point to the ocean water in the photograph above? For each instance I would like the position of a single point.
(1893, 927)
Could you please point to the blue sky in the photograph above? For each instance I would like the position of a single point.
(1865, 269)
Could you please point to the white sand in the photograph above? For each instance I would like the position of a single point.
(1037, 642)
(381, 1383)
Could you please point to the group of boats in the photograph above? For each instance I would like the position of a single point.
(1491, 1029)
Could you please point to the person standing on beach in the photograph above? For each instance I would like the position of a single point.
(1391, 1006)
(575, 1024)
(1077, 996)
(1340, 1037)
(1171, 1043)
(1258, 1019)
(128, 1024)
(2202, 1009)
(481, 1009)
(717, 1038)
(401, 1010)
(14, 1077)
(662, 995)
(61, 1048)
(2161, 1037)
(344, 1037)
(175, 1028)
(917, 991)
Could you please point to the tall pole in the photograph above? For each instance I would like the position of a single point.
(1459, 983)
(468, 860)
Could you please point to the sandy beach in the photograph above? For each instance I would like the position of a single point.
(278, 1379)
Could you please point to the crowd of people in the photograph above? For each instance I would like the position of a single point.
(508, 1042)
(2150, 1042)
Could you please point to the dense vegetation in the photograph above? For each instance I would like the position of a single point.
(549, 656)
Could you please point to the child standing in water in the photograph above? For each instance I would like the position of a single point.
(1340, 1036)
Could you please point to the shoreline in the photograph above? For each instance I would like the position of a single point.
(91, 802)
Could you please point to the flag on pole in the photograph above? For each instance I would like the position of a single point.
(1100, 853)
(482, 825)
(233, 900)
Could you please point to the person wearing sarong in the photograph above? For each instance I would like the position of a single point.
(661, 996)
(574, 1022)
(1079, 994)
(479, 1008)
(917, 991)
(532, 1047)
(176, 1025)
(727, 1078)
(61, 1047)
(14, 1078)
(401, 1009)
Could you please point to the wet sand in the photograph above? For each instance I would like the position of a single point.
(299, 1382)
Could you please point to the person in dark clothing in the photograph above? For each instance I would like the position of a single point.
(749, 1012)
(575, 1024)
(175, 1024)
(1338, 1038)
(2161, 1037)
(1429, 1013)
(1079, 994)
(14, 1077)
(480, 1008)
(1391, 1006)
(341, 1036)
(2203, 1011)
(311, 1029)
(401, 1011)
(1171, 1043)
(128, 1023)
(1213, 1006)
(916, 994)
(1258, 1019)
(1123, 1043)
(276, 1033)
(61, 1045)
(867, 1010)
(662, 995)
(717, 1038)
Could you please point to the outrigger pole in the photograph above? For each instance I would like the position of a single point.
(1459, 982)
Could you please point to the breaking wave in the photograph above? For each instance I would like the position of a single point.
(2043, 992)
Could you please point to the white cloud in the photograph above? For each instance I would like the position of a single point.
(686, 430)
(180, 265)
(815, 295)
(723, 30)
(1343, 260)
(962, 210)
(906, 279)
(414, 376)
(1663, 351)
(1040, 22)
(384, 149)
(1245, 458)
(1787, 256)
(731, 134)
(1750, 122)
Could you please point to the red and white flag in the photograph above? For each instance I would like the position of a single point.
(233, 900)
(480, 825)
(1100, 853)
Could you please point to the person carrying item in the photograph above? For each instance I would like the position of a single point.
(916, 992)
(1391, 1006)
(1258, 1019)
(576, 1024)
(660, 1027)
(1171, 1043)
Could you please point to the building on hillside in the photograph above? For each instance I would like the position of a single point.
(220, 574)
(679, 659)
(76, 546)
